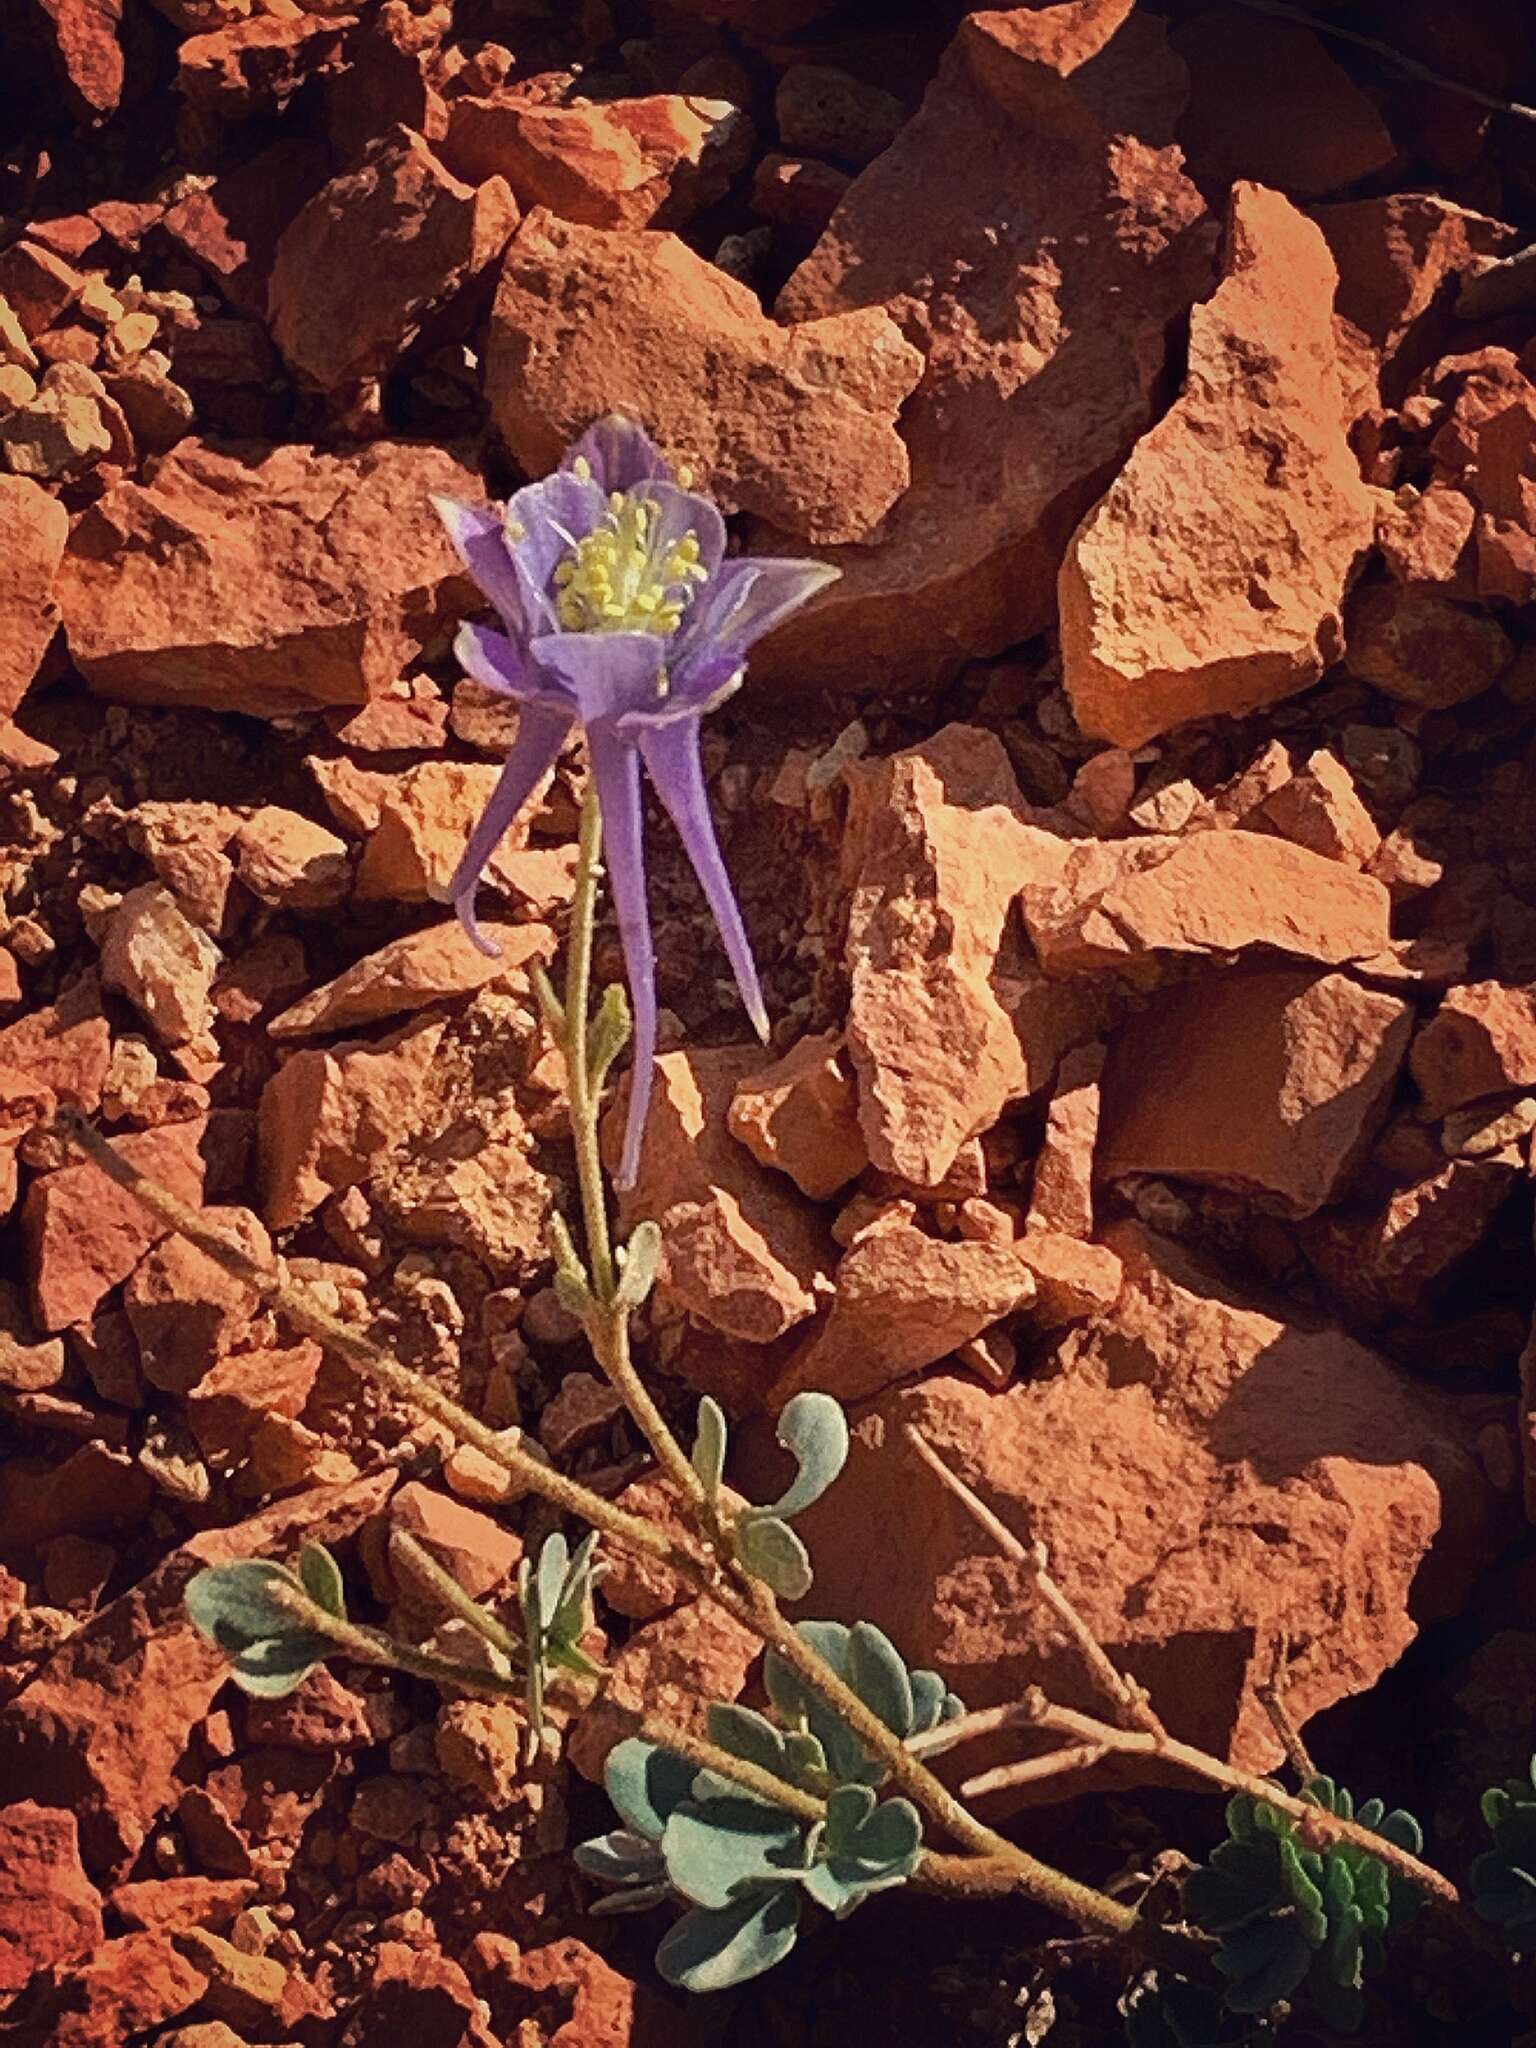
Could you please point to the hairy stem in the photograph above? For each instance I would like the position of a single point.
(374, 1646)
(454, 1597)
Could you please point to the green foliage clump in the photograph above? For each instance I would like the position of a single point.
(1504, 1877)
(744, 1865)
(1297, 1922)
(262, 1616)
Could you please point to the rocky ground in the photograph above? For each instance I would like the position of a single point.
(1139, 842)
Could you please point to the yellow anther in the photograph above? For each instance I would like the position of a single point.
(516, 530)
(614, 580)
(581, 469)
(685, 475)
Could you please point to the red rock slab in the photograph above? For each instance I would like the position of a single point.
(1481, 1041)
(584, 2002)
(904, 1301)
(104, 1725)
(794, 424)
(65, 1047)
(50, 1912)
(71, 49)
(1211, 575)
(374, 254)
(1320, 809)
(258, 66)
(1387, 1257)
(230, 230)
(188, 1313)
(413, 971)
(935, 845)
(1121, 907)
(1399, 259)
(671, 1668)
(1487, 447)
(129, 1987)
(800, 1116)
(329, 1118)
(741, 1251)
(1268, 102)
(83, 1233)
(1271, 1081)
(1061, 1192)
(264, 580)
(166, 1905)
(1208, 1473)
(1419, 648)
(34, 527)
(1032, 232)
(629, 163)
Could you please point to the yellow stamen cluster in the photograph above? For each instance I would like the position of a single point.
(615, 581)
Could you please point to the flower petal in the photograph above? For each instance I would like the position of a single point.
(607, 674)
(747, 598)
(478, 533)
(621, 453)
(544, 520)
(671, 756)
(616, 770)
(680, 512)
(500, 664)
(541, 734)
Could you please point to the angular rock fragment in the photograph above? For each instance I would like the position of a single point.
(264, 580)
(1486, 447)
(934, 848)
(163, 963)
(50, 1912)
(740, 1250)
(1481, 1041)
(1211, 576)
(1271, 1081)
(1115, 908)
(1269, 102)
(71, 51)
(105, 1723)
(794, 424)
(373, 254)
(626, 163)
(800, 1116)
(289, 861)
(329, 1118)
(33, 529)
(904, 1301)
(1207, 1476)
(258, 66)
(412, 972)
(1031, 230)
(668, 1668)
(1419, 648)
(1393, 1257)
(84, 1234)
(1061, 1192)
(1320, 809)
(187, 1313)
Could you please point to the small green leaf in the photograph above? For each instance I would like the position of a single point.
(245, 1602)
(878, 1675)
(772, 1552)
(710, 1951)
(573, 1288)
(646, 1785)
(814, 1429)
(709, 1446)
(621, 1858)
(549, 1576)
(1265, 1962)
(322, 1579)
(749, 1735)
(608, 1033)
(642, 1262)
(714, 1849)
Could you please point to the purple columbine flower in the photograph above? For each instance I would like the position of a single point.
(623, 615)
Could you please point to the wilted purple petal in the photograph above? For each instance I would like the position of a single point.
(749, 597)
(607, 674)
(616, 771)
(621, 454)
(671, 755)
(541, 732)
(478, 533)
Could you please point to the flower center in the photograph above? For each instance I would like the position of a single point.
(618, 579)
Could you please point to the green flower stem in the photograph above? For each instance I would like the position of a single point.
(453, 1596)
(578, 1005)
(742, 1597)
(608, 1321)
(374, 1646)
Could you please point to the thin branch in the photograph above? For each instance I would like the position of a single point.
(375, 1363)
(1408, 65)
(1314, 1823)
(454, 1597)
(1271, 1697)
(747, 1601)
(1129, 1699)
